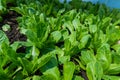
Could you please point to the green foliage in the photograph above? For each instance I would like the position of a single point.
(68, 70)
(62, 40)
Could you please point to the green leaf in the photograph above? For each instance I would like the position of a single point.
(4, 57)
(28, 78)
(93, 28)
(87, 56)
(3, 6)
(114, 69)
(94, 71)
(47, 77)
(84, 40)
(12, 69)
(3, 38)
(41, 62)
(53, 72)
(56, 36)
(42, 18)
(116, 23)
(70, 15)
(36, 77)
(76, 23)
(6, 27)
(71, 45)
(3, 60)
(65, 34)
(50, 64)
(60, 12)
(68, 70)
(18, 44)
(108, 77)
(26, 68)
(69, 26)
(31, 36)
(67, 45)
(115, 57)
(3, 75)
(77, 78)
(104, 56)
(105, 23)
(116, 47)
(114, 37)
(18, 76)
(35, 52)
(64, 59)
(18, 10)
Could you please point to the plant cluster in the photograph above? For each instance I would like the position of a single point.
(62, 39)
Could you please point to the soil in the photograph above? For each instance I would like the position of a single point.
(83, 74)
(14, 33)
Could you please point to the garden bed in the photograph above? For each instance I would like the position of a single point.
(59, 41)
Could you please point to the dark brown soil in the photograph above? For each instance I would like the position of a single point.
(14, 33)
(83, 74)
